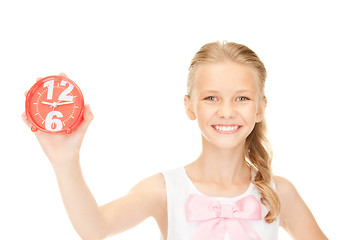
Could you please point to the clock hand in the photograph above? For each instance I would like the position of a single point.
(59, 103)
(48, 103)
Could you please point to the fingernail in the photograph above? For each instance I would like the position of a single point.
(88, 108)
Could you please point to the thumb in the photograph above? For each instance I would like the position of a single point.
(87, 119)
(87, 114)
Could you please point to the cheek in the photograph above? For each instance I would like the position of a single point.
(248, 112)
(202, 113)
(202, 110)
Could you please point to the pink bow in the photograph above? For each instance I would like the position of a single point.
(216, 218)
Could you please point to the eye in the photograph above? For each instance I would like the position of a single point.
(210, 97)
(242, 98)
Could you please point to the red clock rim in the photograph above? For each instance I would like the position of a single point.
(34, 88)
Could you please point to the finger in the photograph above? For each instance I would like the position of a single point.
(25, 119)
(26, 93)
(63, 75)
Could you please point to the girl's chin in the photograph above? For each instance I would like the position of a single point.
(230, 145)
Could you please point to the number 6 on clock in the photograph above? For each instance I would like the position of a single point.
(53, 124)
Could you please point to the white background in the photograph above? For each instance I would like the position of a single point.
(130, 59)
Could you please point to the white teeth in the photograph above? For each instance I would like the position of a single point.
(225, 129)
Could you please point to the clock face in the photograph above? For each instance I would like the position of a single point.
(55, 105)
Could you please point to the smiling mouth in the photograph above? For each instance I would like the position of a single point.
(226, 129)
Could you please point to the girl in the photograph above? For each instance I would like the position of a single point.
(228, 192)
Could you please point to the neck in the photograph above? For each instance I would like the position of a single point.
(223, 166)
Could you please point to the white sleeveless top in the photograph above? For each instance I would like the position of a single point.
(179, 187)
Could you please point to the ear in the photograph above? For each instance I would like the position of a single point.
(188, 107)
(261, 110)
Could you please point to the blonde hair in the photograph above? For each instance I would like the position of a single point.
(257, 148)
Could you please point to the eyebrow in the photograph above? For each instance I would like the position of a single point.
(239, 91)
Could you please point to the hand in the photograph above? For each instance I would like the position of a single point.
(63, 148)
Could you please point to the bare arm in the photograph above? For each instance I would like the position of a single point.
(89, 220)
(295, 216)
(79, 203)
(63, 153)
(94, 222)
(147, 198)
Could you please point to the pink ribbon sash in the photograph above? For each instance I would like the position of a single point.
(216, 218)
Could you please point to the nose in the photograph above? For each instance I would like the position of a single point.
(226, 110)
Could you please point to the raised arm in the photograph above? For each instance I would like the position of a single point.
(295, 216)
(93, 222)
(89, 220)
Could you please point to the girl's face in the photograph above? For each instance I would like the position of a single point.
(225, 101)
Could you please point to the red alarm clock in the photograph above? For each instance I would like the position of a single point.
(54, 105)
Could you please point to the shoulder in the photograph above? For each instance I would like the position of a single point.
(284, 186)
(295, 216)
(289, 199)
(288, 195)
(144, 200)
(152, 191)
(153, 186)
